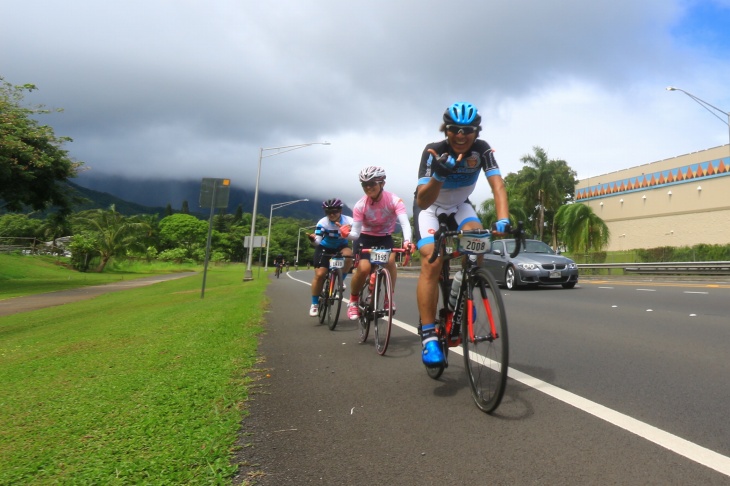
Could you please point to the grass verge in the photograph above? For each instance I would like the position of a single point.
(144, 386)
(35, 274)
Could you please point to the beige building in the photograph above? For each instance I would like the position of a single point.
(682, 201)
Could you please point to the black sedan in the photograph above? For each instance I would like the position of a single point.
(536, 265)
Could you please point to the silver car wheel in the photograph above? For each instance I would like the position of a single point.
(509, 278)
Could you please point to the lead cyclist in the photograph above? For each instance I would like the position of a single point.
(447, 176)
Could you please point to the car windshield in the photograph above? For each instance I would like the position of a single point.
(533, 246)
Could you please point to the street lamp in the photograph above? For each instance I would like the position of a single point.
(707, 107)
(296, 262)
(248, 275)
(268, 238)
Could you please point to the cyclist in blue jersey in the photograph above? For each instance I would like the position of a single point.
(327, 239)
(447, 176)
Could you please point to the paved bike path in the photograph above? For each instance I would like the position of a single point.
(51, 299)
(326, 410)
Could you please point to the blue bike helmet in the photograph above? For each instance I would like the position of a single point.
(462, 114)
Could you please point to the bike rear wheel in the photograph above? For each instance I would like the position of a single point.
(324, 301)
(486, 342)
(363, 323)
(382, 316)
(334, 299)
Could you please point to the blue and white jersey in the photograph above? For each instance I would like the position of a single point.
(327, 233)
(458, 186)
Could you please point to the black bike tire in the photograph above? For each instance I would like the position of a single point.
(335, 301)
(363, 323)
(487, 382)
(323, 300)
(383, 318)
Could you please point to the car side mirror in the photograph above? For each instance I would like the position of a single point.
(497, 252)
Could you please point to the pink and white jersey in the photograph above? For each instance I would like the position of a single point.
(379, 218)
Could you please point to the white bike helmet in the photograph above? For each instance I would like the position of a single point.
(372, 173)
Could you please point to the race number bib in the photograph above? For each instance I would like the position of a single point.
(474, 243)
(336, 262)
(379, 256)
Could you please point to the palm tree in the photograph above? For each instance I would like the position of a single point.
(539, 185)
(113, 230)
(581, 229)
(487, 212)
(55, 226)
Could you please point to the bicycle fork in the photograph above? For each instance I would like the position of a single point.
(471, 314)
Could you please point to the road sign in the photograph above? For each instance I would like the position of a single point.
(214, 193)
(258, 242)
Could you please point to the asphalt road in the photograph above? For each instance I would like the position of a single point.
(611, 383)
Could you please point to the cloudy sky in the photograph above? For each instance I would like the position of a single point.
(193, 89)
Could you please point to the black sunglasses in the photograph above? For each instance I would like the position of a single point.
(466, 130)
(332, 211)
(369, 183)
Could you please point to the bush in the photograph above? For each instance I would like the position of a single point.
(177, 255)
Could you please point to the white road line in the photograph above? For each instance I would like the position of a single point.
(685, 448)
(689, 292)
(646, 290)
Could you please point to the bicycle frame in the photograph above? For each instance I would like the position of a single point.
(378, 289)
(486, 350)
(331, 294)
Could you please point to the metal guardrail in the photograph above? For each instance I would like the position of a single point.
(665, 268)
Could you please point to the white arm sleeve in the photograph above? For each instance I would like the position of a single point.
(406, 227)
(355, 231)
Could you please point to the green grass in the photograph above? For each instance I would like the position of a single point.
(26, 275)
(144, 386)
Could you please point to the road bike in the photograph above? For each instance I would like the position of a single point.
(277, 272)
(330, 298)
(472, 314)
(376, 298)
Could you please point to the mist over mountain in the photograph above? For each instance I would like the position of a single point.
(155, 194)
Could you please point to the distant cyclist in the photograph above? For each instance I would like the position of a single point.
(279, 259)
(374, 218)
(328, 240)
(447, 176)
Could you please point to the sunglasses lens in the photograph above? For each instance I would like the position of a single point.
(461, 129)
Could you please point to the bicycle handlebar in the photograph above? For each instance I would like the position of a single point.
(517, 233)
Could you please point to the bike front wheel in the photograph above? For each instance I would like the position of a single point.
(485, 341)
(363, 322)
(383, 310)
(324, 301)
(334, 299)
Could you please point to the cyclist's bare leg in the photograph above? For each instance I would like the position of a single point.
(358, 278)
(427, 289)
(319, 275)
(347, 252)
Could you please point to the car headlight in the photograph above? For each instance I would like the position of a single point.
(527, 266)
(572, 266)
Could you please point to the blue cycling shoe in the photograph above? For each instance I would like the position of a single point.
(432, 355)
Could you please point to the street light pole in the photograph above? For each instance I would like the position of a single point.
(271, 214)
(707, 107)
(296, 262)
(248, 275)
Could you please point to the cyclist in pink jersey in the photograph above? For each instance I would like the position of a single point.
(374, 218)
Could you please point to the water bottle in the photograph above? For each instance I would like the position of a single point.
(455, 287)
(371, 284)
